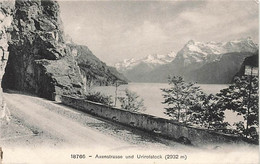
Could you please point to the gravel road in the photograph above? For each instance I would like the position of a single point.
(48, 123)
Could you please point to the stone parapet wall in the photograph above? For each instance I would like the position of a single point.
(152, 124)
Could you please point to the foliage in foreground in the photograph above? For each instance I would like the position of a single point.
(131, 102)
(242, 97)
(188, 104)
(180, 97)
(207, 114)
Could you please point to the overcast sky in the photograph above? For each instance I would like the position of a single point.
(118, 30)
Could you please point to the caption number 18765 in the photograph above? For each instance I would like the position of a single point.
(78, 156)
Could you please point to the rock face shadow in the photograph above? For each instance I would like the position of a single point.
(40, 61)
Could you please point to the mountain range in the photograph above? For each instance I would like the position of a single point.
(134, 69)
(151, 60)
(211, 62)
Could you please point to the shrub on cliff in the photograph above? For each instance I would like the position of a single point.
(131, 102)
(100, 98)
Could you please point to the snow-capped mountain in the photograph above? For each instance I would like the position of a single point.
(159, 59)
(197, 52)
(126, 64)
(150, 60)
(211, 62)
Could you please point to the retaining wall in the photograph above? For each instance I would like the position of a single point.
(156, 125)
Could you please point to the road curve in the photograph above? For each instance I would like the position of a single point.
(68, 126)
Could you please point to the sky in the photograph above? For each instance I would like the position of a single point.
(118, 30)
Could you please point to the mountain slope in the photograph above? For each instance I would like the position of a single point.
(94, 71)
(221, 71)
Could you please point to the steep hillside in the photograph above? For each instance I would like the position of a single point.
(94, 71)
(137, 73)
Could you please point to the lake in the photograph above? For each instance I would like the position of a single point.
(152, 96)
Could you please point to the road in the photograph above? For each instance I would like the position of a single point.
(61, 126)
(45, 131)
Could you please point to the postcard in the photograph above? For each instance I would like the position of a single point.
(129, 82)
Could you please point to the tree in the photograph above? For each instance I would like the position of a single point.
(131, 102)
(206, 112)
(242, 97)
(180, 97)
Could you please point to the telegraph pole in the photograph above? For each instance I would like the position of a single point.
(117, 84)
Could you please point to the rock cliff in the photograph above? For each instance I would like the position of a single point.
(6, 10)
(39, 60)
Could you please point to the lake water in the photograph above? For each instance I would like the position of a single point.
(152, 96)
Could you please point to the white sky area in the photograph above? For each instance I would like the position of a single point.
(116, 30)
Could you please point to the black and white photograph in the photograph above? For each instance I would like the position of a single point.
(129, 82)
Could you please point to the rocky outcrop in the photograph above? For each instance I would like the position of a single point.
(93, 70)
(39, 60)
(6, 10)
